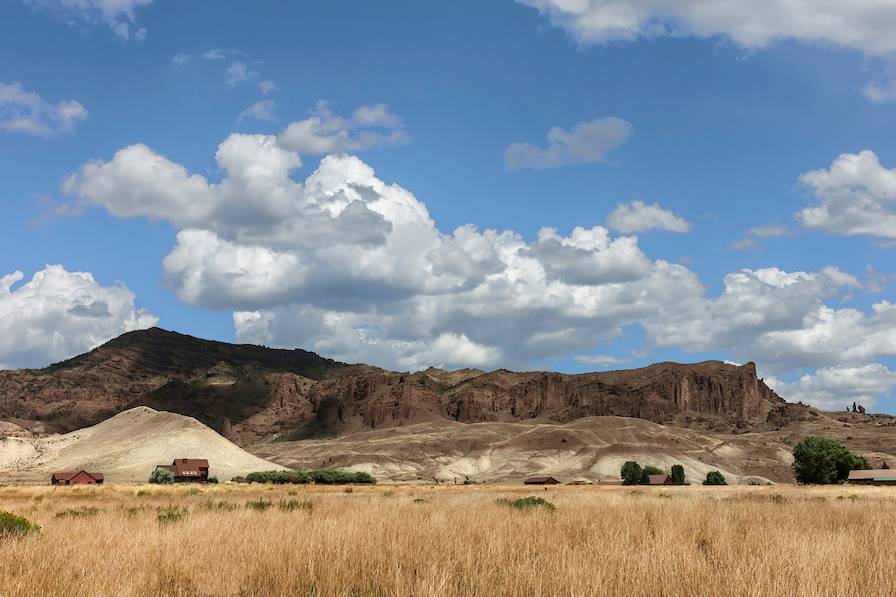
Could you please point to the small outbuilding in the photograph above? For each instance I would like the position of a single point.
(76, 478)
(541, 481)
(659, 479)
(188, 469)
(881, 476)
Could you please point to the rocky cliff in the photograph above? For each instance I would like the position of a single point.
(250, 393)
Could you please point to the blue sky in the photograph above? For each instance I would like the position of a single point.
(709, 125)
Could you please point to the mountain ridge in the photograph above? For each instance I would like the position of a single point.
(250, 393)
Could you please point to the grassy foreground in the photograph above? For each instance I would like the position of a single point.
(225, 540)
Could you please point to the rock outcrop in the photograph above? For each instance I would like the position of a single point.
(252, 393)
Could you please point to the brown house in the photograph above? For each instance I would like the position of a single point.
(884, 476)
(77, 478)
(188, 469)
(541, 481)
(659, 479)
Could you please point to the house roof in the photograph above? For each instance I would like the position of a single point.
(189, 466)
(871, 474)
(541, 480)
(657, 479)
(68, 476)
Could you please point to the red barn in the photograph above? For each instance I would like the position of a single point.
(188, 469)
(77, 478)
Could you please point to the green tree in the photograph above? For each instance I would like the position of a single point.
(821, 460)
(677, 474)
(630, 473)
(647, 471)
(715, 478)
(161, 476)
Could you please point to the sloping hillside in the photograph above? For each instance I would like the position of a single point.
(126, 448)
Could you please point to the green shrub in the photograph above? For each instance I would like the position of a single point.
(331, 477)
(525, 503)
(260, 505)
(322, 477)
(677, 474)
(12, 525)
(171, 514)
(824, 461)
(161, 476)
(647, 471)
(279, 477)
(212, 480)
(293, 505)
(630, 473)
(78, 513)
(715, 478)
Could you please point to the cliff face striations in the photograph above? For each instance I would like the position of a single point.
(252, 393)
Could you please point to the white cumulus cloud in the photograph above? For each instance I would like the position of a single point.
(856, 196)
(238, 72)
(584, 142)
(863, 25)
(59, 314)
(836, 388)
(325, 132)
(27, 112)
(260, 110)
(637, 217)
(355, 268)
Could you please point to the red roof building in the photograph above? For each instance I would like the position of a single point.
(188, 469)
(77, 478)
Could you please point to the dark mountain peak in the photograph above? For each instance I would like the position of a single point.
(158, 351)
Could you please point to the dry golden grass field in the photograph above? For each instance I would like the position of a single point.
(413, 540)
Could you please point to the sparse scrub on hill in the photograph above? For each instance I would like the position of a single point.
(824, 461)
(13, 525)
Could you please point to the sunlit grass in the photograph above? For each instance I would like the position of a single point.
(256, 540)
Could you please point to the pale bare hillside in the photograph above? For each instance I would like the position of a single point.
(591, 448)
(125, 448)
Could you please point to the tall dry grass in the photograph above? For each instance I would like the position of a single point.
(453, 541)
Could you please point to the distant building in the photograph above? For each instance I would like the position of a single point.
(187, 469)
(77, 478)
(541, 481)
(659, 479)
(881, 476)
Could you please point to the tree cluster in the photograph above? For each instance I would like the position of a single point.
(633, 474)
(824, 461)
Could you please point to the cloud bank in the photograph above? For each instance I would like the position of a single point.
(58, 314)
(354, 267)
